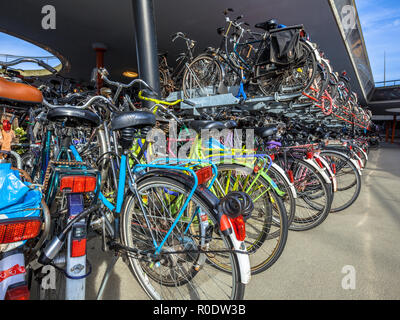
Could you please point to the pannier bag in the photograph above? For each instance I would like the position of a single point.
(284, 47)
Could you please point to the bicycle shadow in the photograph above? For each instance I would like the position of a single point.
(121, 285)
(100, 261)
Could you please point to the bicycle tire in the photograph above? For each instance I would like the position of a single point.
(148, 280)
(202, 77)
(270, 217)
(341, 189)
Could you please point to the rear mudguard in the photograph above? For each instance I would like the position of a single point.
(282, 172)
(12, 270)
(355, 163)
(319, 169)
(331, 174)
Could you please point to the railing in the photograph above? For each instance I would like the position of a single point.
(387, 83)
(46, 59)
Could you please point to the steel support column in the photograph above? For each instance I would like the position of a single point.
(387, 124)
(393, 128)
(146, 43)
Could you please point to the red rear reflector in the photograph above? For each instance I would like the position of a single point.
(78, 248)
(204, 174)
(19, 230)
(290, 174)
(310, 155)
(319, 162)
(272, 157)
(239, 227)
(334, 168)
(78, 184)
(18, 293)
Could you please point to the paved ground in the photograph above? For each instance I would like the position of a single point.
(365, 237)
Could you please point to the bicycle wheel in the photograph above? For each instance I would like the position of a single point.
(314, 196)
(267, 228)
(300, 76)
(184, 275)
(348, 180)
(202, 77)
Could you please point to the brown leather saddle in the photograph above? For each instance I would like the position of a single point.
(19, 92)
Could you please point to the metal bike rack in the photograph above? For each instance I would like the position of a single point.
(253, 103)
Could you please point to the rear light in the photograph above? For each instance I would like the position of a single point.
(204, 174)
(290, 174)
(272, 157)
(18, 230)
(239, 227)
(310, 155)
(319, 163)
(78, 184)
(78, 248)
(334, 168)
(18, 293)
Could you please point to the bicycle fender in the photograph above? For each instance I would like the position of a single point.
(315, 50)
(280, 170)
(319, 169)
(332, 175)
(355, 163)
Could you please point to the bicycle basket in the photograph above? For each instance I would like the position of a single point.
(284, 46)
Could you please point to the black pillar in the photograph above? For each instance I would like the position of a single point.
(146, 43)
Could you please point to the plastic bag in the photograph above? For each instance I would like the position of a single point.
(16, 198)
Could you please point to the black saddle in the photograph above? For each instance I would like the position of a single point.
(266, 132)
(267, 25)
(136, 119)
(198, 125)
(231, 124)
(74, 117)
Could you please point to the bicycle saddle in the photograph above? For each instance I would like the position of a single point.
(231, 124)
(266, 131)
(267, 25)
(198, 125)
(74, 117)
(133, 119)
(19, 92)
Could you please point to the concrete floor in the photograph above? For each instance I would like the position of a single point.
(366, 237)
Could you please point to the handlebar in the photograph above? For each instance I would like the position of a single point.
(27, 59)
(104, 73)
(86, 105)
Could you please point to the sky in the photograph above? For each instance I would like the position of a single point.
(19, 47)
(380, 23)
